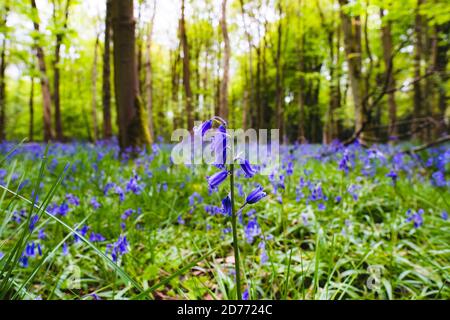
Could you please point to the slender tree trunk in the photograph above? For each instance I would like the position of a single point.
(386, 40)
(56, 69)
(133, 130)
(45, 86)
(2, 78)
(301, 68)
(149, 74)
(443, 76)
(94, 91)
(351, 27)
(250, 99)
(31, 110)
(418, 51)
(186, 69)
(223, 107)
(106, 90)
(278, 76)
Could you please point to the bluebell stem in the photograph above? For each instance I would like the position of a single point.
(220, 148)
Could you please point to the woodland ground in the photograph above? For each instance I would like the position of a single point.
(338, 223)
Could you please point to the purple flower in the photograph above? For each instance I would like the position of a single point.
(438, 179)
(226, 206)
(444, 215)
(245, 294)
(34, 219)
(256, 195)
(96, 237)
(73, 200)
(119, 191)
(416, 218)
(94, 203)
(204, 127)
(247, 168)
(393, 175)
(65, 249)
(63, 209)
(252, 230)
(180, 220)
(126, 214)
(216, 179)
(119, 248)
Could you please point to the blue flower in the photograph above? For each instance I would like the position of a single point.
(393, 175)
(34, 219)
(252, 230)
(63, 209)
(65, 249)
(216, 179)
(96, 237)
(256, 195)
(226, 206)
(73, 200)
(94, 203)
(438, 179)
(245, 294)
(247, 168)
(416, 218)
(444, 215)
(204, 127)
(180, 220)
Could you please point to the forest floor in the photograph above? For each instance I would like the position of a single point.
(338, 223)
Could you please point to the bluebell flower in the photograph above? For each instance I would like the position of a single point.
(438, 179)
(24, 261)
(226, 206)
(63, 209)
(73, 200)
(219, 147)
(216, 179)
(416, 218)
(96, 237)
(127, 213)
(65, 249)
(41, 234)
(119, 248)
(245, 294)
(107, 187)
(120, 193)
(321, 206)
(256, 195)
(444, 215)
(180, 220)
(247, 168)
(337, 199)
(252, 230)
(94, 203)
(1, 255)
(34, 219)
(204, 127)
(393, 175)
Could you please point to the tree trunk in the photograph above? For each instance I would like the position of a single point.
(56, 70)
(133, 130)
(149, 74)
(386, 40)
(278, 79)
(94, 91)
(250, 98)
(106, 90)
(223, 106)
(3, 79)
(351, 27)
(443, 76)
(45, 86)
(31, 110)
(418, 51)
(186, 69)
